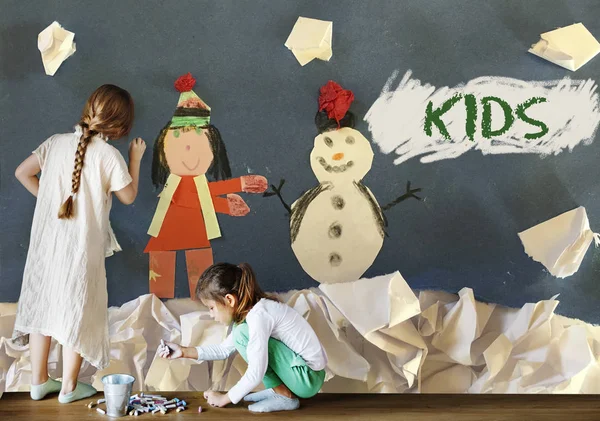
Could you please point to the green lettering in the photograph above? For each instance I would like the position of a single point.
(521, 114)
(433, 116)
(486, 119)
(471, 104)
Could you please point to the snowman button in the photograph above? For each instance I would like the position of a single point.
(335, 259)
(335, 230)
(338, 202)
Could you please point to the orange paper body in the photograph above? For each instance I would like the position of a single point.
(183, 227)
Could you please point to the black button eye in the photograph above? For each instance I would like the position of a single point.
(350, 140)
(328, 141)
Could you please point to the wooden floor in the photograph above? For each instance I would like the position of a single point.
(329, 407)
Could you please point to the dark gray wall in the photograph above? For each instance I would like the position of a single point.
(263, 102)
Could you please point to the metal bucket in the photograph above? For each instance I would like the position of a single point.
(117, 390)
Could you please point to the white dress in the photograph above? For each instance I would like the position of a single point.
(64, 283)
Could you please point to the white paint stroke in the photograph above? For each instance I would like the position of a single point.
(396, 119)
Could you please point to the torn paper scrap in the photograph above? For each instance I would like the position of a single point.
(561, 242)
(570, 47)
(56, 45)
(310, 39)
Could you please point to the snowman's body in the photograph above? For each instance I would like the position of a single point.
(337, 228)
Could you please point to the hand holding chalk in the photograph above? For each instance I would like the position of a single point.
(170, 350)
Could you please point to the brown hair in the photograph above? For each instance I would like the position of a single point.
(225, 278)
(108, 111)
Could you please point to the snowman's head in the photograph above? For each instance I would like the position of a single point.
(341, 155)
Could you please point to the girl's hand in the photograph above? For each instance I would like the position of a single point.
(216, 399)
(170, 351)
(137, 147)
(237, 206)
(254, 183)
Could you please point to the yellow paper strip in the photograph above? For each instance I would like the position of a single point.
(163, 204)
(208, 208)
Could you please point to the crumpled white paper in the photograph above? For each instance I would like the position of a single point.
(570, 47)
(560, 243)
(452, 344)
(310, 39)
(56, 44)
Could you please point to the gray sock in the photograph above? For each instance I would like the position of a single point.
(260, 396)
(275, 403)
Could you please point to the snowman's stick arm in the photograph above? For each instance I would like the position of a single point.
(409, 193)
(277, 191)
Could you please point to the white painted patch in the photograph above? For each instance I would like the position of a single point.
(396, 119)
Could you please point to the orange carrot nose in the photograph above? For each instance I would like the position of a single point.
(338, 156)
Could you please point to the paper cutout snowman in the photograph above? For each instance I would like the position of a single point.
(337, 228)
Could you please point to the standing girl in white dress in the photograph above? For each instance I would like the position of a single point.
(64, 294)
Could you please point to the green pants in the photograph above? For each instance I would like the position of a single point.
(285, 366)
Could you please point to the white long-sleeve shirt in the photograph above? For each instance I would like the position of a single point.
(268, 319)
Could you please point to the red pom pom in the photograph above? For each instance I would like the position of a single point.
(335, 100)
(185, 83)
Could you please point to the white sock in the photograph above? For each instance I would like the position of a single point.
(275, 403)
(259, 396)
(38, 391)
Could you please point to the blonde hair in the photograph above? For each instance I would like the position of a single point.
(109, 112)
(225, 278)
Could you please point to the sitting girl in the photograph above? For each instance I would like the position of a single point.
(279, 346)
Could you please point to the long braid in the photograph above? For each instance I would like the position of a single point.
(108, 111)
(67, 209)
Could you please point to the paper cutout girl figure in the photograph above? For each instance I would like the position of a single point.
(337, 228)
(187, 149)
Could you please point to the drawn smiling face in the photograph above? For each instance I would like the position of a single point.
(343, 154)
(188, 151)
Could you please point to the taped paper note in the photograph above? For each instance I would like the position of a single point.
(56, 45)
(570, 47)
(310, 39)
(561, 242)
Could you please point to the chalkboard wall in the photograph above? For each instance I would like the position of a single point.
(463, 235)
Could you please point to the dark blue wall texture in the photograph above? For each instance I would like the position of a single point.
(263, 102)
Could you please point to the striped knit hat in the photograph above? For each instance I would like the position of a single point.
(191, 110)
